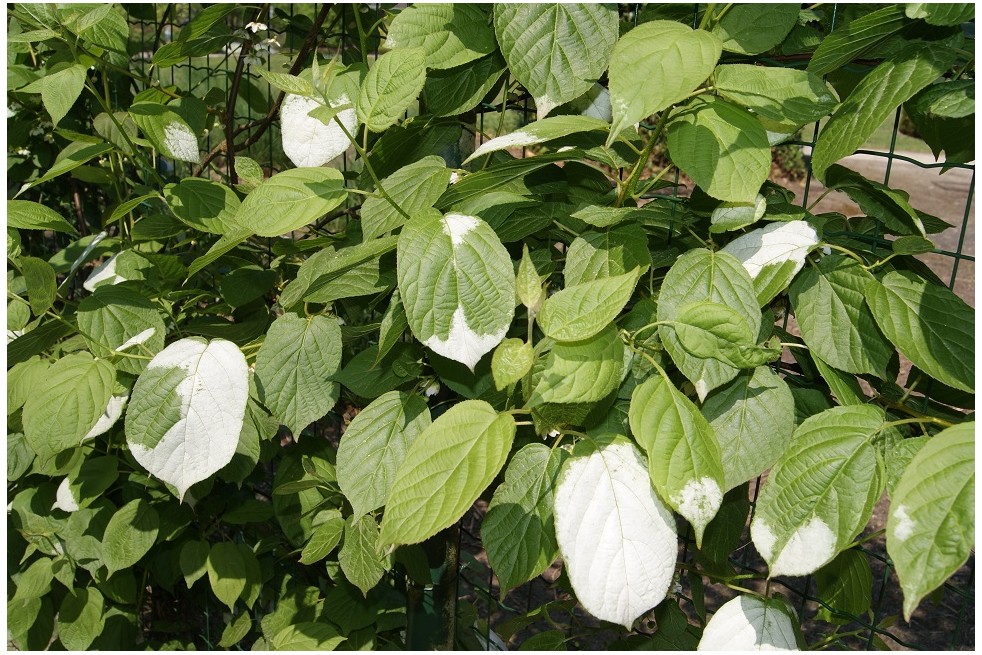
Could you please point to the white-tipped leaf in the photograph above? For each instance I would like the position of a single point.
(308, 141)
(64, 498)
(109, 417)
(617, 538)
(773, 255)
(187, 410)
(750, 623)
(457, 284)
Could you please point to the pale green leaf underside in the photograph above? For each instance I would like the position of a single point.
(785, 95)
(445, 470)
(375, 445)
(820, 494)
(540, 131)
(931, 527)
(930, 325)
(294, 367)
(654, 66)
(518, 530)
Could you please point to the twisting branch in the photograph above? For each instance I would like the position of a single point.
(233, 96)
(259, 127)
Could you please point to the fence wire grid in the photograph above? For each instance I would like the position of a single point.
(944, 621)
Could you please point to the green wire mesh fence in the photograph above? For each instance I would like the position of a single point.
(544, 605)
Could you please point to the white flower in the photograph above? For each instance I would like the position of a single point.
(432, 390)
(255, 27)
(553, 434)
(454, 177)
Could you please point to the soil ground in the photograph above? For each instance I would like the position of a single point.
(943, 622)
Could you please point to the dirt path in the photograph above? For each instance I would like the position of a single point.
(944, 195)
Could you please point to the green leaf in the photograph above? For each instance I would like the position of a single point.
(80, 618)
(35, 580)
(943, 114)
(931, 527)
(821, 493)
(752, 418)
(286, 83)
(308, 635)
(458, 90)
(21, 615)
(557, 51)
(41, 283)
(191, 399)
(930, 325)
(123, 320)
(28, 215)
(481, 182)
(328, 265)
(889, 206)
(390, 88)
(941, 13)
(394, 325)
(722, 147)
(528, 283)
(654, 66)
(457, 284)
(236, 630)
(61, 412)
(450, 34)
(167, 130)
(512, 359)
(545, 641)
(374, 446)
(845, 584)
(446, 468)
(617, 539)
(540, 131)
(227, 572)
(73, 156)
(709, 329)
(897, 457)
(203, 204)
(325, 538)
(603, 254)
(785, 95)
(844, 385)
(773, 255)
(220, 248)
(361, 558)
(60, 89)
(856, 37)
(413, 188)
(581, 311)
(583, 371)
(683, 454)
(370, 376)
(835, 322)
(194, 560)
(703, 276)
(290, 200)
(729, 216)
(875, 99)
(129, 534)
(294, 367)
(518, 530)
(750, 29)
